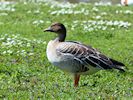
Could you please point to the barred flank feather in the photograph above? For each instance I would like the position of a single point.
(88, 56)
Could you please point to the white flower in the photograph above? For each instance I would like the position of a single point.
(90, 29)
(98, 17)
(41, 21)
(23, 52)
(53, 12)
(69, 11)
(12, 42)
(101, 3)
(28, 45)
(12, 9)
(91, 25)
(37, 11)
(29, 11)
(9, 51)
(116, 11)
(18, 51)
(25, 3)
(124, 12)
(3, 14)
(95, 9)
(1, 38)
(104, 28)
(116, 22)
(30, 54)
(112, 28)
(7, 6)
(37, 22)
(20, 43)
(8, 39)
(128, 12)
(103, 13)
(4, 52)
(109, 23)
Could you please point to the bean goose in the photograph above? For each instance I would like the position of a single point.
(75, 57)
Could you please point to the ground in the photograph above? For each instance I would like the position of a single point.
(25, 72)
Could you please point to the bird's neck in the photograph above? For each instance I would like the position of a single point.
(61, 37)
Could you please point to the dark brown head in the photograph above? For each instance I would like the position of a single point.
(58, 28)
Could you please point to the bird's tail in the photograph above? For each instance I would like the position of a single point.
(118, 65)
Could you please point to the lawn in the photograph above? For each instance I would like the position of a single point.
(25, 72)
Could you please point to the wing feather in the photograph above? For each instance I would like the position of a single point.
(86, 55)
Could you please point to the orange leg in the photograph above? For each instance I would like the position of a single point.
(76, 79)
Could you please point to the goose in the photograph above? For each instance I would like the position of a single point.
(75, 57)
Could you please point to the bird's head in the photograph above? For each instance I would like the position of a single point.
(58, 28)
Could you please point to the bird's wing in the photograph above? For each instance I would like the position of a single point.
(86, 55)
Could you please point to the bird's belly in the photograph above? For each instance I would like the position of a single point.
(75, 68)
(65, 66)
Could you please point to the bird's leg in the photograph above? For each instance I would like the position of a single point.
(76, 79)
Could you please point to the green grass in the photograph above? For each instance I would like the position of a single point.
(25, 72)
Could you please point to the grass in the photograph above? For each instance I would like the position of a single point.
(25, 72)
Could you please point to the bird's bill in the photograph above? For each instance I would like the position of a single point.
(48, 30)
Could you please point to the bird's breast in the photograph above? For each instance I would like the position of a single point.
(51, 52)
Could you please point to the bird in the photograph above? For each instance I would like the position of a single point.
(76, 57)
